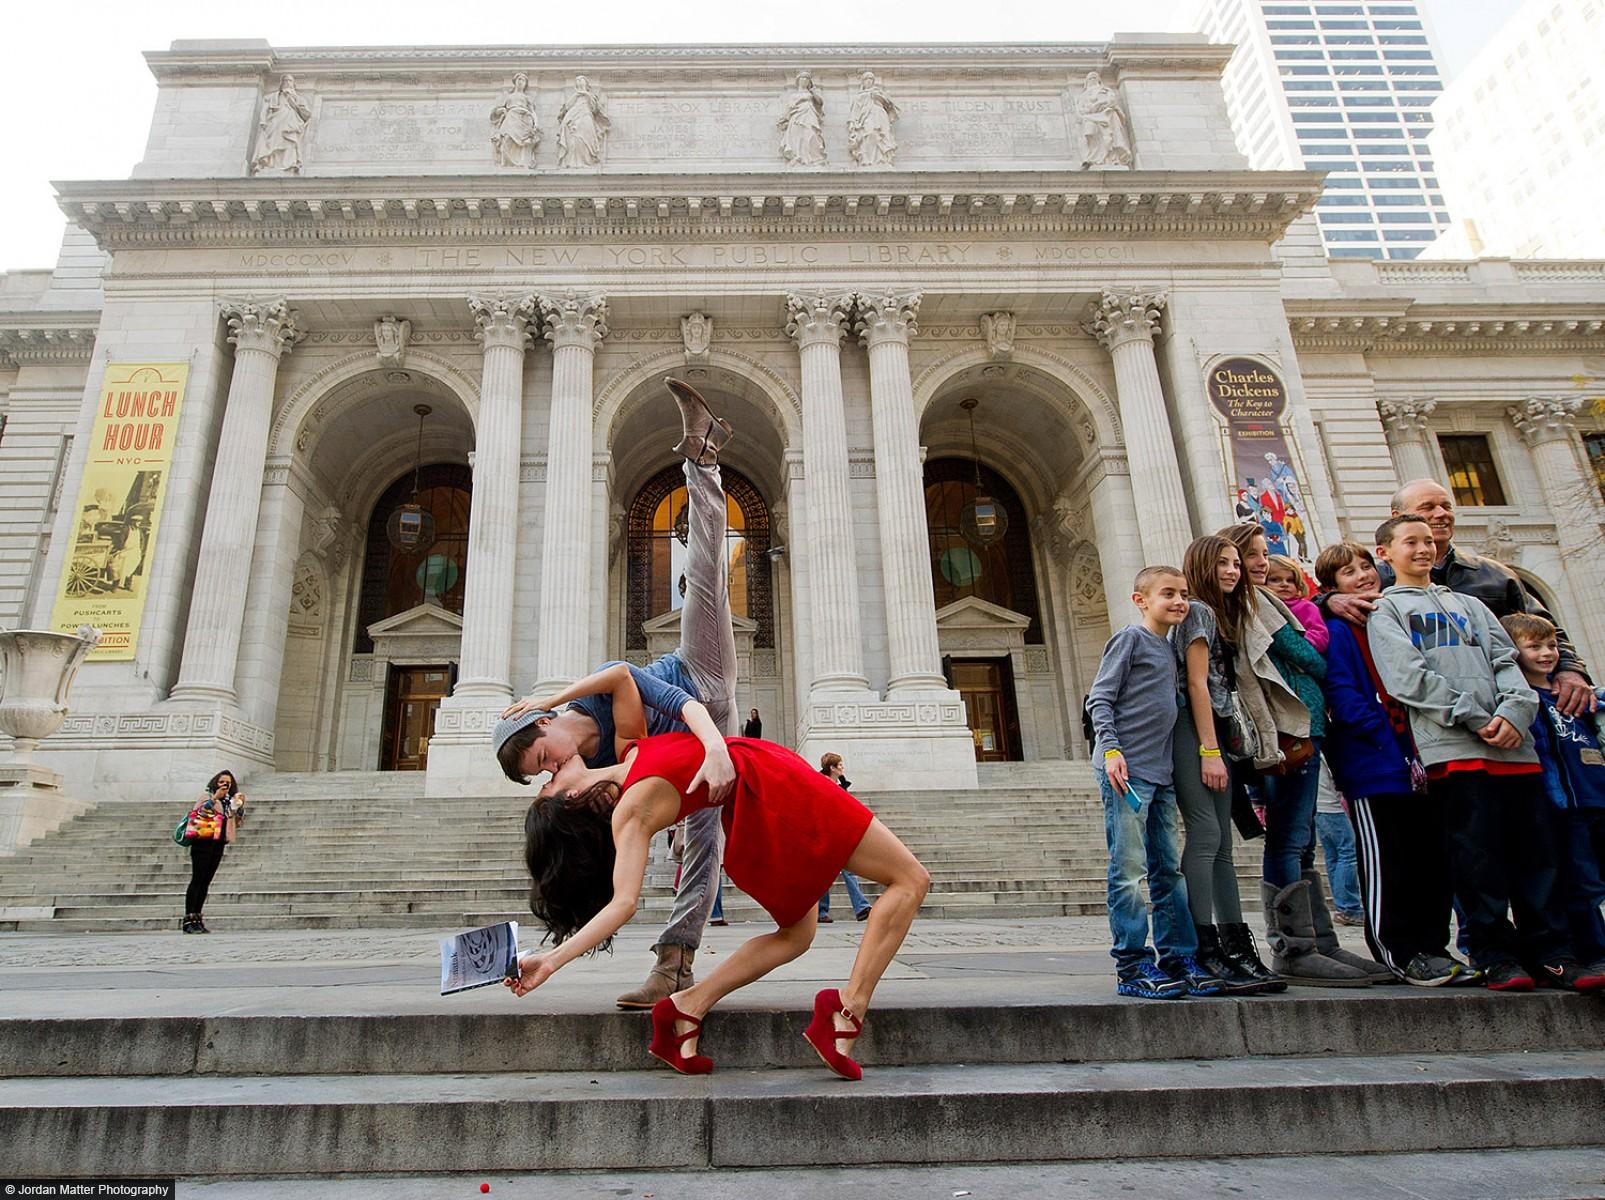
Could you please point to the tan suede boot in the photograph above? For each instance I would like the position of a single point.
(671, 974)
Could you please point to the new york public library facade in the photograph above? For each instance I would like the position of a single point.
(214, 447)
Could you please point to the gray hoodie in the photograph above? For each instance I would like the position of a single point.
(1445, 657)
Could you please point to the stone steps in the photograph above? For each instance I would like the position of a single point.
(480, 1091)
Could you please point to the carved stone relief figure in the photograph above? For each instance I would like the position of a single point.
(391, 336)
(281, 130)
(998, 329)
(582, 127)
(514, 132)
(696, 331)
(802, 134)
(1105, 129)
(869, 124)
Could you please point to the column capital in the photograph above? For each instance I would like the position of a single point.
(1116, 318)
(502, 320)
(574, 318)
(813, 318)
(1542, 419)
(1405, 418)
(887, 316)
(272, 327)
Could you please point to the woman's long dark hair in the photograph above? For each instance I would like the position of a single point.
(568, 847)
(233, 783)
(1231, 609)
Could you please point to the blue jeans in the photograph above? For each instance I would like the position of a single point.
(1290, 820)
(854, 893)
(1337, 844)
(1582, 888)
(1143, 841)
(718, 900)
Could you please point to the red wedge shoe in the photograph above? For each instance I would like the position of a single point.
(666, 1043)
(822, 1034)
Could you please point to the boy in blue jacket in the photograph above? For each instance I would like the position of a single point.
(1404, 858)
(1574, 780)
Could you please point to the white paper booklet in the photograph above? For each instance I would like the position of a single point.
(478, 958)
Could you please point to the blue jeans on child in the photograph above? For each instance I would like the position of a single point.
(1342, 858)
(1290, 820)
(855, 894)
(1143, 841)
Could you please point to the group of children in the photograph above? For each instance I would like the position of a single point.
(1468, 788)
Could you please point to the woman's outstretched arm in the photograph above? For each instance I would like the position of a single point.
(632, 836)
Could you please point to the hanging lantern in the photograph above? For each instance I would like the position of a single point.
(411, 528)
(983, 521)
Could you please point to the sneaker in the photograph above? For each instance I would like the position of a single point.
(717, 921)
(1194, 978)
(1147, 982)
(1509, 977)
(1343, 918)
(1592, 977)
(1431, 970)
(862, 915)
(825, 918)
(1565, 974)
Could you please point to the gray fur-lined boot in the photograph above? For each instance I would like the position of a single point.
(1326, 939)
(1290, 933)
(671, 974)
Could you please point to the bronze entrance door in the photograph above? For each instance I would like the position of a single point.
(986, 685)
(412, 697)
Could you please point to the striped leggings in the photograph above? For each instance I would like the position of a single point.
(1405, 880)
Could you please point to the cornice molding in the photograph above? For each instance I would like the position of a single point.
(27, 338)
(278, 210)
(1399, 327)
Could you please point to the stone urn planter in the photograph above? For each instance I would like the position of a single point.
(37, 668)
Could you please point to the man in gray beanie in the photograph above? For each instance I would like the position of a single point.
(691, 689)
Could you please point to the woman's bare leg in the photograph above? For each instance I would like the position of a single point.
(882, 857)
(752, 960)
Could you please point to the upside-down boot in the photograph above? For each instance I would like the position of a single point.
(1291, 934)
(671, 973)
(1326, 939)
(702, 435)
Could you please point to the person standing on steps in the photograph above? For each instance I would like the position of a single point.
(692, 689)
(227, 803)
(754, 727)
(1206, 648)
(833, 769)
(1134, 706)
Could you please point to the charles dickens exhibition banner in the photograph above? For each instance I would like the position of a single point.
(119, 504)
(1264, 486)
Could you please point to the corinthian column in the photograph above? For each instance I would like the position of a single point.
(261, 334)
(1125, 322)
(885, 323)
(1405, 423)
(575, 325)
(1548, 426)
(502, 328)
(817, 323)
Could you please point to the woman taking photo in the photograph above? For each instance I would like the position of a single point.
(224, 805)
(1206, 649)
(789, 832)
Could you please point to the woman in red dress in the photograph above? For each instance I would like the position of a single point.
(789, 832)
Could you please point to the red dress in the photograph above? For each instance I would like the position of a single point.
(789, 830)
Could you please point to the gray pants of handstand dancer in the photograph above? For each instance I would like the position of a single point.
(708, 648)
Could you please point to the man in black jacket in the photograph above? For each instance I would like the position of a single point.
(1473, 575)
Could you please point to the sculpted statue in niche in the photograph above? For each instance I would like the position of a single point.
(582, 127)
(869, 124)
(998, 329)
(802, 134)
(391, 336)
(514, 132)
(1105, 130)
(284, 122)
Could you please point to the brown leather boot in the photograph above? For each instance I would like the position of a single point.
(671, 974)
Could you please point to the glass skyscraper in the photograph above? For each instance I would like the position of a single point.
(1345, 88)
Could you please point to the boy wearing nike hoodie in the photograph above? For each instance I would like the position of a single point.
(1446, 658)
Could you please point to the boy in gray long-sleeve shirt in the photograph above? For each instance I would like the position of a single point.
(1133, 703)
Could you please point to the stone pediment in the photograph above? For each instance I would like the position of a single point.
(669, 624)
(421, 620)
(974, 613)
